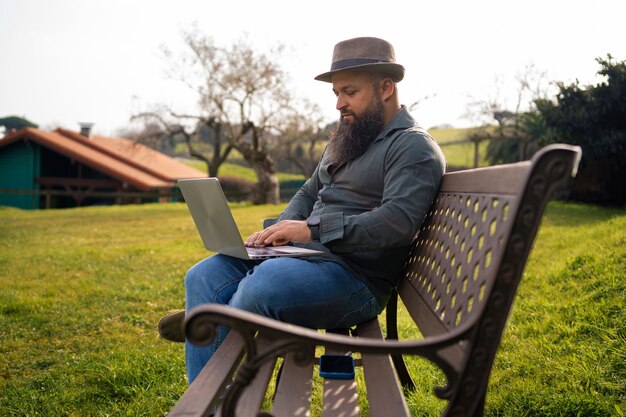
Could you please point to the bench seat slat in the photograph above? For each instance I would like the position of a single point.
(340, 395)
(340, 398)
(202, 393)
(293, 394)
(252, 397)
(383, 388)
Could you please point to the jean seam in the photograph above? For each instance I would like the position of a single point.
(218, 290)
(356, 310)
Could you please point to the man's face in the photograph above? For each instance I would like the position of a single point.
(362, 117)
(354, 91)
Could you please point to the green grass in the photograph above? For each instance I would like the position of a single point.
(247, 173)
(460, 155)
(81, 291)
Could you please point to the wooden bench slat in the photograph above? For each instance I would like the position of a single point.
(252, 397)
(201, 396)
(384, 392)
(340, 397)
(293, 393)
(498, 179)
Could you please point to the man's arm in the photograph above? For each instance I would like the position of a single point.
(291, 224)
(301, 204)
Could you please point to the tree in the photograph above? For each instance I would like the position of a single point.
(149, 134)
(518, 130)
(203, 136)
(593, 117)
(301, 138)
(241, 95)
(15, 123)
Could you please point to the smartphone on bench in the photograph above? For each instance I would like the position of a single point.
(337, 367)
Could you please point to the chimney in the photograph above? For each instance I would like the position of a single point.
(85, 128)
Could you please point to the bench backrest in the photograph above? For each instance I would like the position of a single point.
(468, 258)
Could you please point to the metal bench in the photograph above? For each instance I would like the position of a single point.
(458, 286)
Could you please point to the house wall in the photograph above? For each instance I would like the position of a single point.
(59, 166)
(19, 166)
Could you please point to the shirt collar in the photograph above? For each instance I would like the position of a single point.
(402, 120)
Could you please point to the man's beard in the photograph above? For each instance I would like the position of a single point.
(350, 140)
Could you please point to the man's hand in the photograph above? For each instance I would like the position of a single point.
(281, 233)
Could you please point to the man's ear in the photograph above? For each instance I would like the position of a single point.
(387, 87)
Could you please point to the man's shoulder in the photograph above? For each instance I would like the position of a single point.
(415, 136)
(416, 143)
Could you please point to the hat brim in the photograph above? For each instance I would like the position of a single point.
(395, 71)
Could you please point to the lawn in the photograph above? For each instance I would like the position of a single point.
(460, 155)
(241, 171)
(81, 291)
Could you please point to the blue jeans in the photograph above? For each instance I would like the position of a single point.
(310, 293)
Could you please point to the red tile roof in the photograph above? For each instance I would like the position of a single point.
(122, 159)
(138, 155)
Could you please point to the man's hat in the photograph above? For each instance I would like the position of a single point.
(364, 54)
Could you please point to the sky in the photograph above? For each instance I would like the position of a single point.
(63, 62)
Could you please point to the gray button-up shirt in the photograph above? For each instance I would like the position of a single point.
(372, 206)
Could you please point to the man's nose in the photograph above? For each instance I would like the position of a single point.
(341, 103)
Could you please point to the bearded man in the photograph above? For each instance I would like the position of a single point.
(361, 207)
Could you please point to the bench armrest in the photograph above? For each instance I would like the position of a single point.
(201, 323)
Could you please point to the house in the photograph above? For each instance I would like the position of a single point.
(63, 168)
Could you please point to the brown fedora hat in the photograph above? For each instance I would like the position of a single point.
(364, 54)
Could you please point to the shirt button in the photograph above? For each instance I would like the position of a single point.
(332, 184)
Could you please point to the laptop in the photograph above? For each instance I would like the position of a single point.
(216, 225)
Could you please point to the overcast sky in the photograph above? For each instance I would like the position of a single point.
(69, 61)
